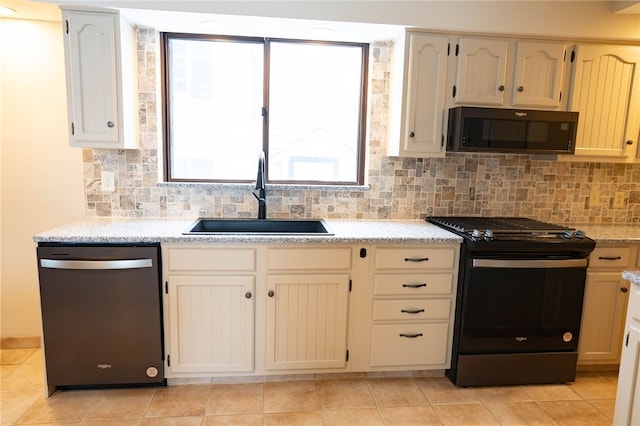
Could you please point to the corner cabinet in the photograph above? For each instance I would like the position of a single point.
(606, 93)
(101, 74)
(605, 305)
(504, 73)
(417, 98)
(307, 307)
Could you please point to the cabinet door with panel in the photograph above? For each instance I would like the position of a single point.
(627, 407)
(606, 93)
(101, 79)
(605, 305)
(307, 308)
(538, 74)
(418, 96)
(481, 71)
(209, 309)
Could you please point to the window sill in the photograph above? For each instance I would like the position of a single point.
(250, 186)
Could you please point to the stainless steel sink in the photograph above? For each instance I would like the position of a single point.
(208, 226)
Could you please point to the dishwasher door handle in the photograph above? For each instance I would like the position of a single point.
(96, 264)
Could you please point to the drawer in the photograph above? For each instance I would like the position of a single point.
(634, 302)
(610, 257)
(206, 259)
(415, 258)
(392, 346)
(297, 259)
(411, 309)
(412, 284)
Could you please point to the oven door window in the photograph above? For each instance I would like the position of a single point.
(521, 309)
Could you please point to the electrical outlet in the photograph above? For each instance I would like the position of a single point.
(619, 200)
(108, 182)
(594, 197)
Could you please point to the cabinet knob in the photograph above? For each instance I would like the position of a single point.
(248, 295)
(629, 142)
(109, 123)
(271, 293)
(624, 289)
(412, 134)
(501, 88)
(520, 89)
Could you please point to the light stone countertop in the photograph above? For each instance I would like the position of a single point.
(611, 234)
(633, 276)
(120, 230)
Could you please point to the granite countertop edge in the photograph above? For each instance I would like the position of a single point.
(142, 230)
(633, 276)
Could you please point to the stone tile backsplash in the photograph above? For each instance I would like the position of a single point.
(459, 184)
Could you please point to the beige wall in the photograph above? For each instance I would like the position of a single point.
(41, 176)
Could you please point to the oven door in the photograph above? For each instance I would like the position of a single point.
(512, 306)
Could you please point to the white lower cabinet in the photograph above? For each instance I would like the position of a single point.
(627, 408)
(413, 300)
(299, 309)
(209, 310)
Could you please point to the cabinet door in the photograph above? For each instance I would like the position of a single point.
(606, 94)
(90, 47)
(603, 314)
(211, 323)
(425, 94)
(307, 321)
(627, 408)
(480, 77)
(538, 74)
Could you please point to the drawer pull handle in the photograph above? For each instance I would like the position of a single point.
(414, 285)
(416, 259)
(411, 336)
(412, 311)
(610, 258)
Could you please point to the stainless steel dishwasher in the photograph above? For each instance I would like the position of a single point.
(101, 314)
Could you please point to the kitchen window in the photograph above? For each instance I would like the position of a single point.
(227, 98)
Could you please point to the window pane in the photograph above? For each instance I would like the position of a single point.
(314, 112)
(216, 98)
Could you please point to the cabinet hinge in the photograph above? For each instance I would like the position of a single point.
(454, 91)
(560, 96)
(73, 129)
(457, 49)
(264, 112)
(166, 287)
(442, 142)
(347, 358)
(626, 343)
(168, 360)
(573, 55)
(66, 26)
(350, 285)
(363, 252)
(448, 49)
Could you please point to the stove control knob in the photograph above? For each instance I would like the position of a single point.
(488, 235)
(476, 233)
(569, 234)
(580, 234)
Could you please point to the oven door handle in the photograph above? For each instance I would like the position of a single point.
(530, 264)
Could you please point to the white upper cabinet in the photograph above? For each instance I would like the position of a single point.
(489, 73)
(418, 96)
(606, 93)
(101, 80)
(481, 72)
(538, 74)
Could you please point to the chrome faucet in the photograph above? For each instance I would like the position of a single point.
(261, 195)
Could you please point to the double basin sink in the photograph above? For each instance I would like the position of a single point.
(209, 226)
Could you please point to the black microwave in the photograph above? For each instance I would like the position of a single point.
(473, 129)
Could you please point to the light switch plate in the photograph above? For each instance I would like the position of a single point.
(108, 181)
(594, 197)
(619, 200)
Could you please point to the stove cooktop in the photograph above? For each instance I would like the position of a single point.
(497, 225)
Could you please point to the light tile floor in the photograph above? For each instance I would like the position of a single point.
(380, 401)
